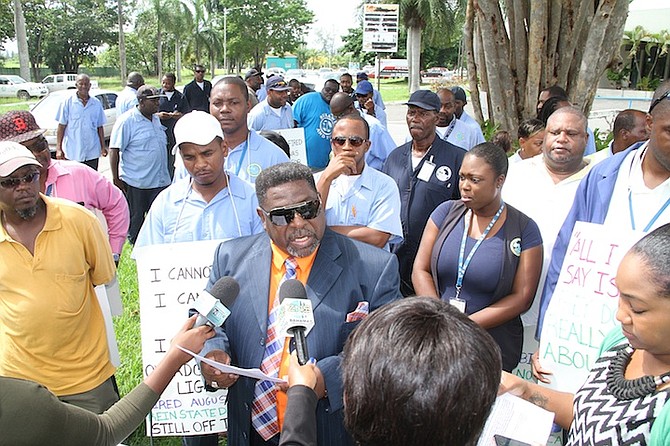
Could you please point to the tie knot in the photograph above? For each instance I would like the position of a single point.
(291, 265)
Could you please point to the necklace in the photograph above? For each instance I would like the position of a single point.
(630, 389)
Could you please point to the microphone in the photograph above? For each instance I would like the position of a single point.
(213, 306)
(295, 317)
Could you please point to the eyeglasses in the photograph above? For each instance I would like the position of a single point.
(354, 141)
(13, 183)
(284, 216)
(39, 145)
(658, 100)
(199, 71)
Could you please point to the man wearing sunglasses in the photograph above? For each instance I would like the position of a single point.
(629, 191)
(381, 142)
(344, 279)
(197, 91)
(361, 202)
(53, 253)
(69, 179)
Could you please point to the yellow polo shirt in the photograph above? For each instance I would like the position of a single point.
(51, 327)
(276, 275)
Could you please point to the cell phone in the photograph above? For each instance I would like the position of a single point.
(504, 441)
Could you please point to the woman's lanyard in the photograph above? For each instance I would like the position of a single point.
(463, 265)
(653, 219)
(242, 155)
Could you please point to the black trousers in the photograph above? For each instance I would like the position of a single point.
(139, 202)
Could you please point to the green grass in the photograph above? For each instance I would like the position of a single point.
(127, 327)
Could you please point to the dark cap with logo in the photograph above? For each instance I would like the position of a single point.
(19, 126)
(251, 73)
(276, 83)
(425, 99)
(148, 92)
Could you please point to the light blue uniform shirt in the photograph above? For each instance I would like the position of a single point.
(381, 143)
(126, 100)
(372, 201)
(262, 117)
(81, 141)
(461, 134)
(253, 155)
(142, 148)
(179, 214)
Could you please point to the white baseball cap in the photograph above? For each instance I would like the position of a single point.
(196, 127)
(14, 156)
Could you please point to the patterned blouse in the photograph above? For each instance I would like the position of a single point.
(601, 419)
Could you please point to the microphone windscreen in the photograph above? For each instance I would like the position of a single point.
(292, 289)
(226, 290)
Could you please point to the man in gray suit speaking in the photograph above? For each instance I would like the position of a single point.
(344, 280)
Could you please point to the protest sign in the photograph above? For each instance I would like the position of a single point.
(584, 304)
(170, 278)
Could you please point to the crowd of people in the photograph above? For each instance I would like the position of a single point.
(478, 230)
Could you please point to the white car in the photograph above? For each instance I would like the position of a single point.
(64, 81)
(12, 86)
(46, 109)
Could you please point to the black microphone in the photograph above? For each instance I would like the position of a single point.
(295, 317)
(213, 307)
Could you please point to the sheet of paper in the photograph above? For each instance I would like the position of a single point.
(515, 418)
(251, 373)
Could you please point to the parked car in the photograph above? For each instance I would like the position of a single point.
(64, 81)
(12, 86)
(46, 109)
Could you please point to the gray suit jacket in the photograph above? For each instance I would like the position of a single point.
(345, 272)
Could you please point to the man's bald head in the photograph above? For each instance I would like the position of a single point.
(341, 104)
(135, 80)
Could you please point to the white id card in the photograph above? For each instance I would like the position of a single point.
(426, 171)
(458, 303)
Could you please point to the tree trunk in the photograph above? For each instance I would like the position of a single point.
(122, 44)
(177, 60)
(569, 43)
(22, 40)
(414, 57)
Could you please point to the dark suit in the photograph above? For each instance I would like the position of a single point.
(198, 98)
(345, 272)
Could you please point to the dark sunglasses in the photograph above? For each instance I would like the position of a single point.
(658, 100)
(354, 141)
(199, 71)
(13, 183)
(284, 216)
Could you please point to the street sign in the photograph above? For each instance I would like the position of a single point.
(380, 28)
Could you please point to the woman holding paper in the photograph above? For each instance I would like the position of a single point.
(624, 399)
(31, 415)
(482, 255)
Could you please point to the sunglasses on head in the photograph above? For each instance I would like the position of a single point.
(12, 183)
(354, 141)
(284, 216)
(658, 100)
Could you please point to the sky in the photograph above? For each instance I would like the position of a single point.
(332, 17)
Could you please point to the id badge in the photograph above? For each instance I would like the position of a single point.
(427, 169)
(458, 303)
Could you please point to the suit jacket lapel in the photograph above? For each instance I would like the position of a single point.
(325, 271)
(258, 279)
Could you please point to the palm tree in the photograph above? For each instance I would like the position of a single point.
(417, 15)
(21, 39)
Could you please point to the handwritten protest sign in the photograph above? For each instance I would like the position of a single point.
(296, 142)
(170, 277)
(583, 307)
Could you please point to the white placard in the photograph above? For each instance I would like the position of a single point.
(170, 278)
(584, 304)
(296, 142)
(380, 27)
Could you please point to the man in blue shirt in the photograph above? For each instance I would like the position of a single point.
(138, 158)
(209, 204)
(80, 136)
(127, 99)
(272, 113)
(312, 112)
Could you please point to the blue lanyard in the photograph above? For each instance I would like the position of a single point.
(463, 266)
(450, 129)
(653, 219)
(244, 152)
